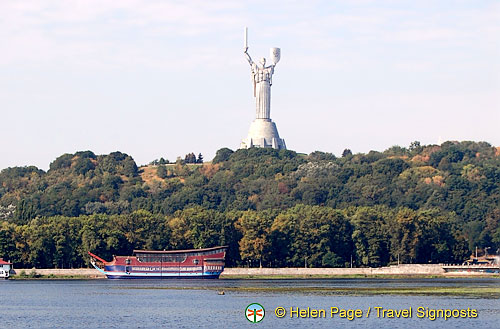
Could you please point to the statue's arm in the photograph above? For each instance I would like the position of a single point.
(247, 55)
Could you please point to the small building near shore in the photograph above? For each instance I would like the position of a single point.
(5, 268)
(484, 260)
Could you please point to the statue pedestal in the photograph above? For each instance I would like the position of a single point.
(263, 133)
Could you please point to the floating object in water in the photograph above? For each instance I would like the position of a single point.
(207, 263)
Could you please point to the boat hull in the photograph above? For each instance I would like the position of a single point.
(132, 276)
(113, 274)
(205, 263)
(471, 269)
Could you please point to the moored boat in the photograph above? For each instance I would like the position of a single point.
(5, 269)
(480, 265)
(207, 263)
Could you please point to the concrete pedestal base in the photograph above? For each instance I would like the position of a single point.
(263, 133)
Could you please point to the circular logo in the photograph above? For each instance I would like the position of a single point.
(255, 312)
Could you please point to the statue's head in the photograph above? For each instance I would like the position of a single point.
(263, 61)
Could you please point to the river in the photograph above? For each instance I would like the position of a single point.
(199, 304)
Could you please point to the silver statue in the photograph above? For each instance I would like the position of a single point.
(262, 78)
(263, 131)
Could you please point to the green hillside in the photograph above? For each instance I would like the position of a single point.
(421, 204)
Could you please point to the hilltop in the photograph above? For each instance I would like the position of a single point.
(459, 177)
(454, 181)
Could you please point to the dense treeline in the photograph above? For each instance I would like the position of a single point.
(421, 204)
(299, 236)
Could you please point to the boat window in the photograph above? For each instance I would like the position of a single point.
(174, 258)
(164, 258)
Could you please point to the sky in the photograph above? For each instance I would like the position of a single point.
(165, 78)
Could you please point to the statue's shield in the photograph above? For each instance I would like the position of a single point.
(275, 55)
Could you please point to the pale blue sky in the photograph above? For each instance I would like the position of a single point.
(164, 78)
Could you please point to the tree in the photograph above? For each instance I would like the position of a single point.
(415, 147)
(330, 259)
(426, 236)
(190, 158)
(200, 158)
(142, 230)
(64, 161)
(24, 212)
(317, 156)
(7, 241)
(305, 234)
(100, 236)
(255, 228)
(161, 171)
(222, 155)
(370, 236)
(204, 227)
(83, 165)
(346, 153)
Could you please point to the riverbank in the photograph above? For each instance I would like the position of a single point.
(395, 271)
(52, 273)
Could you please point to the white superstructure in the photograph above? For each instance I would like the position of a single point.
(5, 268)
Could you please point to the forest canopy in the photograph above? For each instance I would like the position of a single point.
(421, 204)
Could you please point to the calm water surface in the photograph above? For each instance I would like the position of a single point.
(146, 304)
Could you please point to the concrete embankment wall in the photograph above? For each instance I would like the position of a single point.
(77, 272)
(407, 269)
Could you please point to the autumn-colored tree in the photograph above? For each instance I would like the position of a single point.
(255, 227)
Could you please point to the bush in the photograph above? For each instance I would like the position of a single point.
(330, 259)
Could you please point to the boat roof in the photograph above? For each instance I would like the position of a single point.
(177, 251)
(2, 262)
